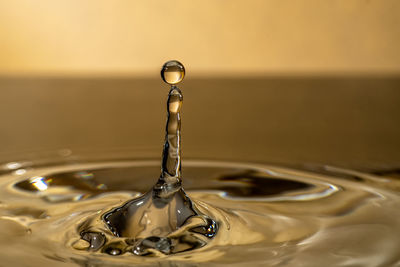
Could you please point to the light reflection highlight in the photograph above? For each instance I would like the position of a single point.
(20, 171)
(39, 183)
(13, 165)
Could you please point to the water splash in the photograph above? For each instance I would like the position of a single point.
(163, 220)
(266, 215)
(96, 209)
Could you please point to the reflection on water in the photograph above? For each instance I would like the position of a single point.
(267, 215)
(309, 213)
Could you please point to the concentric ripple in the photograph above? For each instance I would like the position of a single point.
(265, 215)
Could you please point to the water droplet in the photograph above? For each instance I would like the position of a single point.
(173, 72)
(96, 240)
(115, 248)
(113, 251)
(209, 230)
(162, 244)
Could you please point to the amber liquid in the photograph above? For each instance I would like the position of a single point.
(267, 215)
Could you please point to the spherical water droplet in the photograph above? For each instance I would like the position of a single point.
(173, 72)
(113, 251)
(116, 248)
(96, 240)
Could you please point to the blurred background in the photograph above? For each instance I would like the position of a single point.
(291, 82)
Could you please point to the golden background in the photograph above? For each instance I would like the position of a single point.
(212, 37)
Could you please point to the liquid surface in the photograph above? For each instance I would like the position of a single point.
(81, 212)
(266, 215)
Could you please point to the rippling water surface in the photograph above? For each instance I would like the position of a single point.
(266, 215)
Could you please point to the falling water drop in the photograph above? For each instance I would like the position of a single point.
(173, 72)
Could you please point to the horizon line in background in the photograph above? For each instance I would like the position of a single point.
(199, 75)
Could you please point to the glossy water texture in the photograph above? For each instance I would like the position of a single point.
(172, 72)
(79, 211)
(164, 220)
(267, 215)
